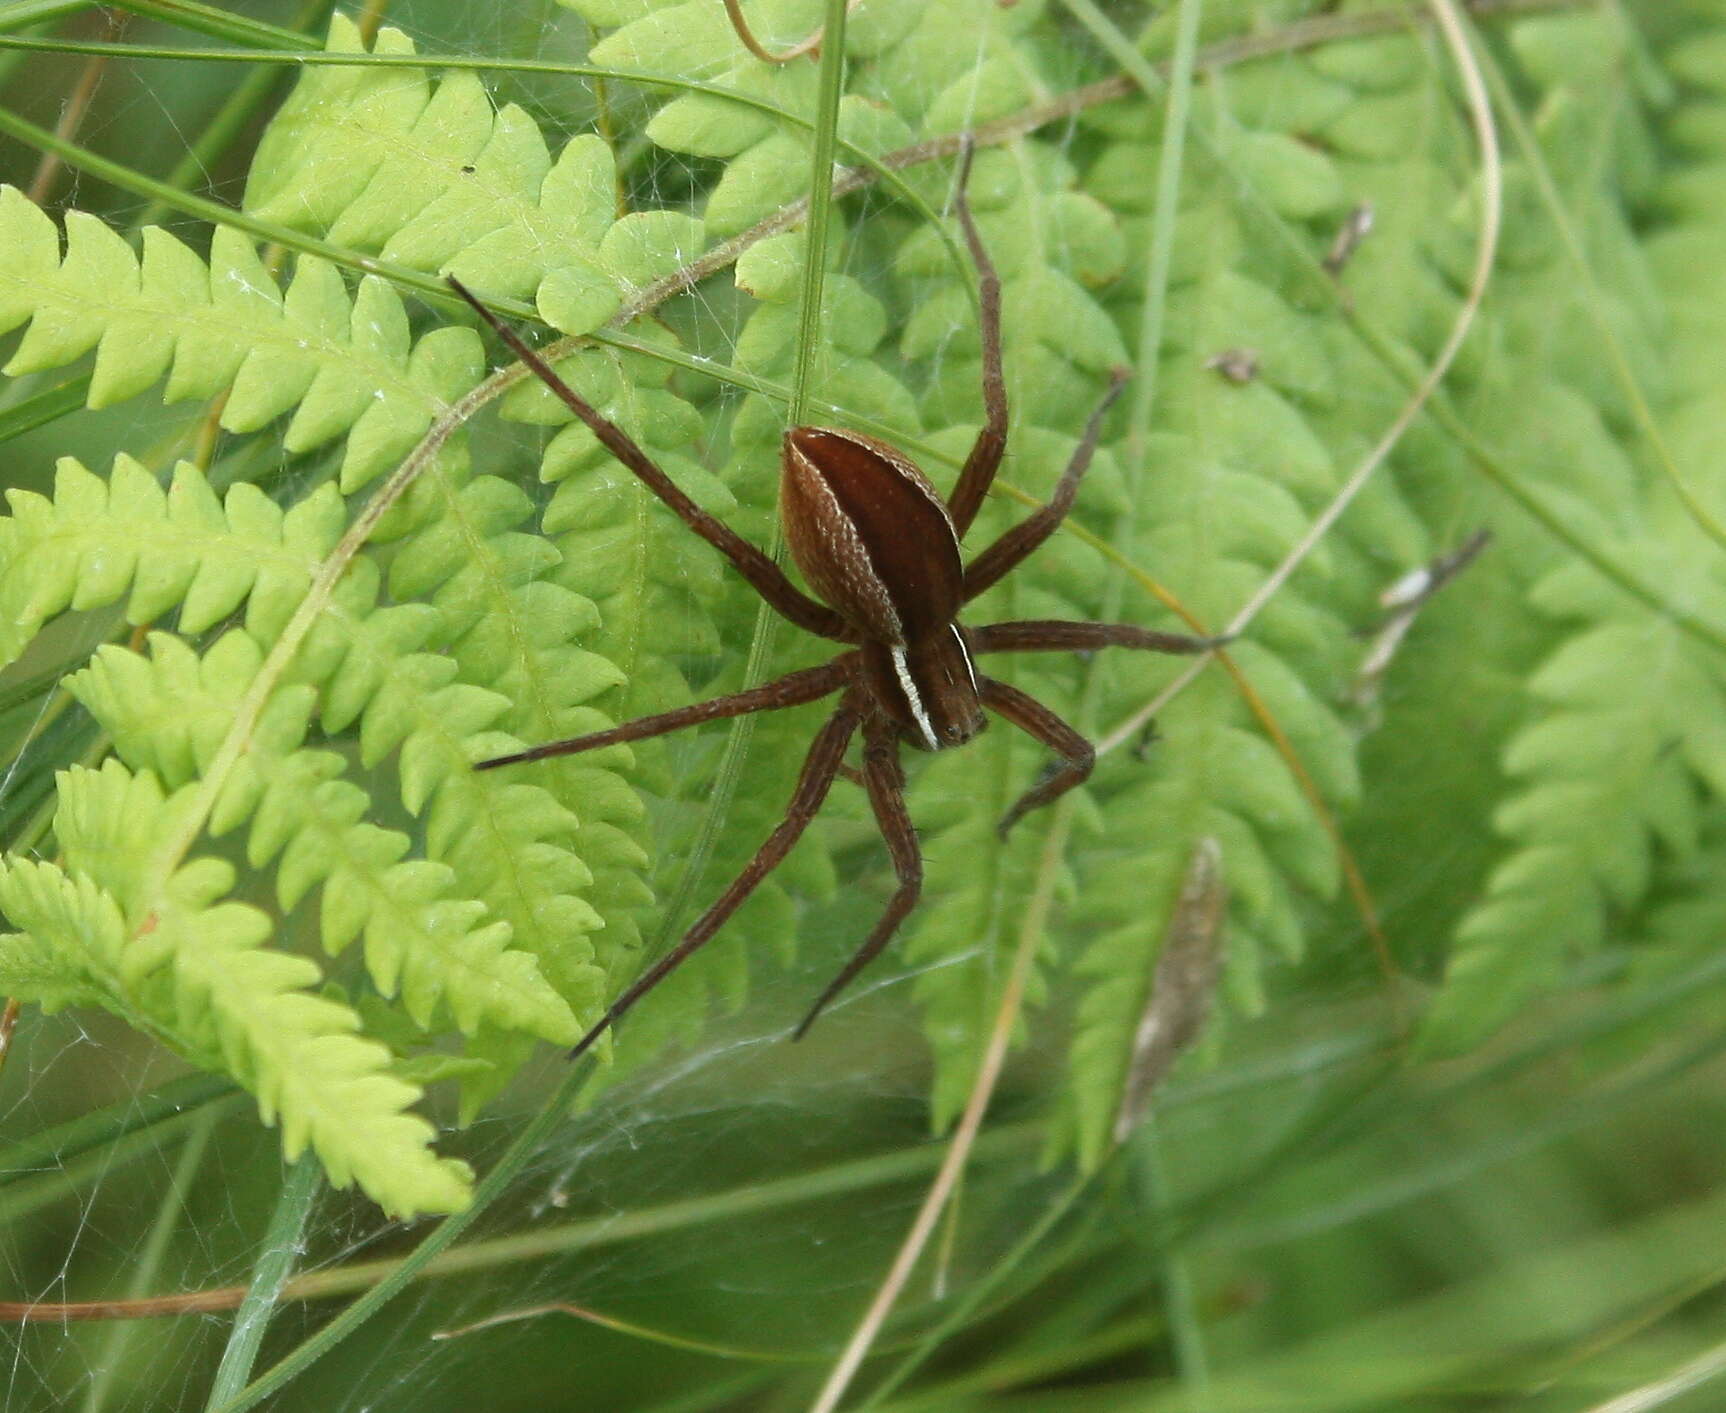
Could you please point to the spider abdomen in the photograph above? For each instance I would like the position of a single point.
(871, 535)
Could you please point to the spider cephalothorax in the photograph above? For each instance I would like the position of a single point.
(880, 547)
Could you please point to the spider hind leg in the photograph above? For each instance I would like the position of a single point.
(1076, 754)
(820, 767)
(884, 778)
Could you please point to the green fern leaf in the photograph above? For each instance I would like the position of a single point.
(100, 542)
(347, 364)
(67, 958)
(432, 178)
(96, 542)
(1610, 769)
(1622, 747)
(169, 713)
(194, 969)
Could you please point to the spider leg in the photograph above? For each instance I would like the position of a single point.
(991, 444)
(764, 576)
(819, 768)
(793, 689)
(1036, 720)
(1019, 542)
(885, 779)
(1052, 635)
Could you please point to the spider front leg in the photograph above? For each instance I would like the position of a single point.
(793, 689)
(884, 778)
(1036, 720)
(764, 576)
(1014, 547)
(819, 768)
(991, 444)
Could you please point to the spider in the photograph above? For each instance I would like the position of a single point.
(880, 548)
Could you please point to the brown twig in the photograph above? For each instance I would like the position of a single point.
(1404, 600)
(810, 45)
(77, 106)
(8, 1023)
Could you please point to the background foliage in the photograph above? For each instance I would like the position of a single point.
(282, 558)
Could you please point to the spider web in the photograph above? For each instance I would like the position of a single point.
(735, 1193)
(170, 1198)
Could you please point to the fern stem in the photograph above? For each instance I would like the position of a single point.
(280, 1250)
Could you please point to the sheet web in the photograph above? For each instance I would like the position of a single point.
(720, 1205)
(170, 1198)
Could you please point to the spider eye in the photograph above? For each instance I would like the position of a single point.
(959, 731)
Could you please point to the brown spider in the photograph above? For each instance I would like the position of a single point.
(879, 545)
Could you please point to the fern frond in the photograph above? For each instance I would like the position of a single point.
(68, 956)
(1630, 728)
(391, 671)
(194, 969)
(1623, 747)
(95, 542)
(169, 713)
(434, 178)
(344, 365)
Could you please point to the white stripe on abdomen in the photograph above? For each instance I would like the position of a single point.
(912, 700)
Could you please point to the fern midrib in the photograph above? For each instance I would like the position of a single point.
(208, 321)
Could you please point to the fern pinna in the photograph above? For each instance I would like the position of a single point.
(299, 664)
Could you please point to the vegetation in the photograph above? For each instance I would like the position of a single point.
(284, 555)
